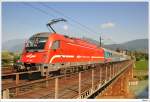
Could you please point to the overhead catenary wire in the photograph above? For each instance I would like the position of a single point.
(60, 13)
(86, 28)
(41, 10)
(75, 21)
(46, 13)
(68, 17)
(38, 9)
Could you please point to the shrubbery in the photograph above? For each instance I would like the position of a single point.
(9, 58)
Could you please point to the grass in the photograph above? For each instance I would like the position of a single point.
(141, 65)
(140, 73)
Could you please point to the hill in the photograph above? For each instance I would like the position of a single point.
(138, 45)
(15, 45)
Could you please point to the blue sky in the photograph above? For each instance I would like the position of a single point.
(114, 21)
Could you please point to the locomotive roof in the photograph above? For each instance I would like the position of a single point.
(42, 34)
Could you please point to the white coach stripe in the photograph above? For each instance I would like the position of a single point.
(83, 56)
(55, 56)
(71, 56)
(58, 56)
(96, 57)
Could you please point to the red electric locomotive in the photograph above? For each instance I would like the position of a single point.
(54, 51)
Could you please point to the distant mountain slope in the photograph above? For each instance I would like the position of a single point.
(139, 45)
(15, 45)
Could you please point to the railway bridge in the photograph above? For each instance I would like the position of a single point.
(109, 79)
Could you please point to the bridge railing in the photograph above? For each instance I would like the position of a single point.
(75, 85)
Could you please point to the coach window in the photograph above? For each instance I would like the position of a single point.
(56, 44)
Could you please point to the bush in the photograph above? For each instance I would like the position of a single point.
(9, 57)
(137, 59)
(146, 57)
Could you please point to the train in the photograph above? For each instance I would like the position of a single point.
(53, 51)
(115, 56)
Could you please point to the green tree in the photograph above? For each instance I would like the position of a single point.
(6, 56)
(9, 57)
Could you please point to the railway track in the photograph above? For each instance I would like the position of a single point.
(7, 70)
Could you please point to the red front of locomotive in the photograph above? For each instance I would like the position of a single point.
(36, 49)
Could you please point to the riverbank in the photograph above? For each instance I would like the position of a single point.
(140, 91)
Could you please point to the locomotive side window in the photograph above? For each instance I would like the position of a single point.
(56, 44)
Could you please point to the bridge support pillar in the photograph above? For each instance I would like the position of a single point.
(100, 75)
(110, 72)
(17, 82)
(47, 72)
(79, 84)
(131, 70)
(113, 68)
(5, 94)
(56, 87)
(92, 79)
(106, 74)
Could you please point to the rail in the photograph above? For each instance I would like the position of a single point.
(18, 73)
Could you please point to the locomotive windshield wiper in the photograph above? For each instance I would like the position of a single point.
(53, 22)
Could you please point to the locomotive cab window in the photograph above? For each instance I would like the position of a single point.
(56, 45)
(36, 43)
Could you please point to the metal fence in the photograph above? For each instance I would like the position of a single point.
(76, 85)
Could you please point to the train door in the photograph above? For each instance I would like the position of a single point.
(55, 59)
(56, 52)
